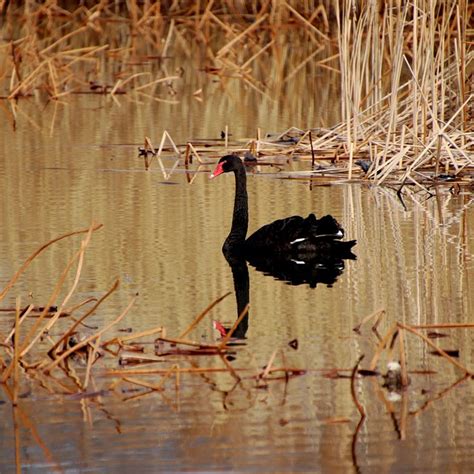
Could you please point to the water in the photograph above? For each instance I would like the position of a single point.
(68, 165)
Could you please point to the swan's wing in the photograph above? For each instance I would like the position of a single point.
(327, 226)
(295, 232)
(277, 235)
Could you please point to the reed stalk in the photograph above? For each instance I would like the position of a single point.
(201, 315)
(31, 338)
(227, 337)
(436, 348)
(403, 362)
(359, 406)
(16, 359)
(63, 339)
(37, 252)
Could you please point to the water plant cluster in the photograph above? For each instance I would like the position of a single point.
(404, 69)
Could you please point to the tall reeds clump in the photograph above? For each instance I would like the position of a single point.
(404, 83)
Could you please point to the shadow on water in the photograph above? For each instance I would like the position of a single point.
(294, 249)
(322, 269)
(315, 269)
(240, 276)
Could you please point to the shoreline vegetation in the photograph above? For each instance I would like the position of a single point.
(405, 71)
(406, 78)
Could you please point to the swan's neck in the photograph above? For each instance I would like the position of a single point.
(240, 219)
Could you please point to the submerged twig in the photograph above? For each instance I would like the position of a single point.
(358, 405)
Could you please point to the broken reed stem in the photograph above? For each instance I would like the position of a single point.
(378, 312)
(380, 316)
(229, 45)
(443, 326)
(225, 339)
(79, 255)
(156, 81)
(184, 370)
(16, 361)
(142, 359)
(201, 315)
(232, 371)
(436, 348)
(122, 82)
(195, 370)
(188, 342)
(439, 396)
(312, 150)
(37, 252)
(403, 361)
(404, 415)
(381, 346)
(69, 311)
(28, 424)
(359, 406)
(90, 360)
(268, 367)
(71, 330)
(149, 145)
(86, 341)
(23, 316)
(305, 21)
(187, 157)
(85, 242)
(63, 38)
(164, 137)
(132, 337)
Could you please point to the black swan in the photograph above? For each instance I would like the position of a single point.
(295, 237)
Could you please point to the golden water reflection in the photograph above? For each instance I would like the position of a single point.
(163, 239)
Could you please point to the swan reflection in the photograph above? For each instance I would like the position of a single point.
(296, 250)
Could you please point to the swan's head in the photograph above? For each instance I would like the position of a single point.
(226, 163)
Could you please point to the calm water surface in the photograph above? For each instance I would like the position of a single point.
(64, 167)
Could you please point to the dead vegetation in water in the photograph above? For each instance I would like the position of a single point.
(40, 355)
(320, 156)
(109, 48)
(84, 362)
(398, 379)
(405, 73)
(55, 361)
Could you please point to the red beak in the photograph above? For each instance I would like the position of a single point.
(219, 170)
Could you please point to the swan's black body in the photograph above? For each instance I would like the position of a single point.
(295, 237)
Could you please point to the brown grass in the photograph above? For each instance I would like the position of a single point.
(405, 70)
(51, 364)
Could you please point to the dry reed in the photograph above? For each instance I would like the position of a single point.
(56, 367)
(405, 72)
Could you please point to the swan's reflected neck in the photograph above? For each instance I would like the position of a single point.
(240, 219)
